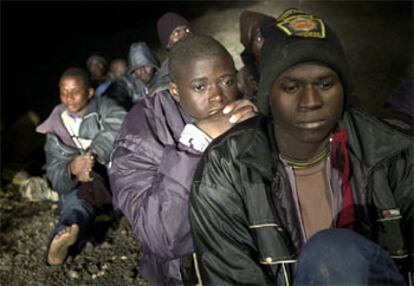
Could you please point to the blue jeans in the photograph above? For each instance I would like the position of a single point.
(343, 257)
(74, 211)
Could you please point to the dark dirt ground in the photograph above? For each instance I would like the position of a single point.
(24, 230)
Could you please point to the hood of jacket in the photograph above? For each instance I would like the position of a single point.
(53, 124)
(140, 55)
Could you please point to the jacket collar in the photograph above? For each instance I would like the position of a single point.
(369, 141)
(53, 124)
(263, 159)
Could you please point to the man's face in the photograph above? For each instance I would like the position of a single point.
(205, 86)
(96, 67)
(74, 95)
(178, 34)
(118, 69)
(306, 103)
(144, 73)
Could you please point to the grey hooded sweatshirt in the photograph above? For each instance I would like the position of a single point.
(128, 89)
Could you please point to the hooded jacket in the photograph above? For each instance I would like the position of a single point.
(100, 123)
(128, 89)
(151, 177)
(250, 23)
(243, 217)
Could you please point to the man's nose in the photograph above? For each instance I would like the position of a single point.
(216, 93)
(310, 98)
(70, 96)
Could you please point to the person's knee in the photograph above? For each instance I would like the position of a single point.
(336, 246)
(334, 242)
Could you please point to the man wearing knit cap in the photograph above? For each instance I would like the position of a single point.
(252, 40)
(313, 191)
(171, 28)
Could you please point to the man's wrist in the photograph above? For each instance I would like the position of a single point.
(195, 138)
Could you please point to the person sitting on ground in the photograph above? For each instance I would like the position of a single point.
(97, 66)
(141, 77)
(313, 186)
(171, 28)
(153, 161)
(252, 40)
(79, 136)
(117, 68)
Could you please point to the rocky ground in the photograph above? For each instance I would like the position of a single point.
(24, 231)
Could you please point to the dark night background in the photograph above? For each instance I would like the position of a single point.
(41, 39)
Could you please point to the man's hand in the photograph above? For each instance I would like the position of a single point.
(81, 166)
(85, 176)
(233, 113)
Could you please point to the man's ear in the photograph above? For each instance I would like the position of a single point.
(173, 89)
(91, 92)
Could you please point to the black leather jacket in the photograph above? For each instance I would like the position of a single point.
(239, 235)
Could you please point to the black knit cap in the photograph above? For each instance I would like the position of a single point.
(296, 38)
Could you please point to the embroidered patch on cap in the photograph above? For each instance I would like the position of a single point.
(303, 26)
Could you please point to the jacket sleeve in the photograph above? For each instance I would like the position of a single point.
(58, 158)
(401, 180)
(152, 184)
(111, 117)
(222, 239)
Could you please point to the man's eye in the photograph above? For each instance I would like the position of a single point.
(199, 87)
(326, 84)
(228, 82)
(291, 88)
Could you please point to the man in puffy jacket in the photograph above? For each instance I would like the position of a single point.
(313, 186)
(159, 147)
(79, 137)
(141, 77)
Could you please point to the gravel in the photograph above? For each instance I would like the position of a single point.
(24, 230)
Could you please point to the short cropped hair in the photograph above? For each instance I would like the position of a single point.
(97, 56)
(194, 47)
(79, 73)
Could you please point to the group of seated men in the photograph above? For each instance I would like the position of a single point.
(269, 176)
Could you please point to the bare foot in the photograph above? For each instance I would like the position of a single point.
(60, 244)
(124, 227)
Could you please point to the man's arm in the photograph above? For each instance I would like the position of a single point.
(111, 118)
(223, 242)
(58, 159)
(152, 184)
(401, 178)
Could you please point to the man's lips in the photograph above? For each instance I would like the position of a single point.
(215, 109)
(310, 124)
